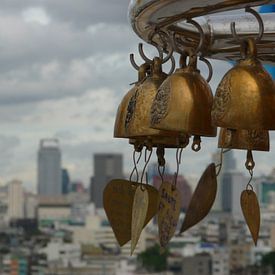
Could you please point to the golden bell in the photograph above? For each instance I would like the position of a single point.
(183, 103)
(137, 124)
(244, 139)
(245, 98)
(127, 104)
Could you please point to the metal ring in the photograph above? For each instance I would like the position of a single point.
(260, 21)
(210, 68)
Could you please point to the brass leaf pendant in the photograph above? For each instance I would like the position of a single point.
(202, 199)
(139, 212)
(169, 211)
(251, 211)
(118, 197)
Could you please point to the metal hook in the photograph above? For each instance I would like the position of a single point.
(202, 35)
(162, 34)
(135, 164)
(173, 65)
(178, 159)
(146, 162)
(161, 173)
(219, 166)
(249, 185)
(133, 62)
(144, 57)
(210, 68)
(260, 21)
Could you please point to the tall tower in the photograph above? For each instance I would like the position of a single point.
(49, 168)
(106, 168)
(15, 200)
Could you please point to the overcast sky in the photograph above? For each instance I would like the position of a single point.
(64, 67)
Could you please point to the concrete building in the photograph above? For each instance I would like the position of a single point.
(15, 200)
(200, 264)
(49, 168)
(30, 206)
(53, 211)
(106, 168)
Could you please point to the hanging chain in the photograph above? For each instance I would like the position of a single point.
(178, 159)
(135, 164)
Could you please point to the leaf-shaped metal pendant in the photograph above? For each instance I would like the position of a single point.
(139, 212)
(251, 211)
(202, 199)
(118, 197)
(169, 211)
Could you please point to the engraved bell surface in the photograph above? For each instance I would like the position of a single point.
(138, 124)
(183, 103)
(257, 140)
(126, 104)
(245, 98)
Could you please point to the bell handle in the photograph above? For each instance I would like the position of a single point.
(210, 68)
(260, 21)
(248, 48)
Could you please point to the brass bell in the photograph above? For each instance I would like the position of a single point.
(244, 139)
(137, 124)
(245, 98)
(183, 103)
(127, 103)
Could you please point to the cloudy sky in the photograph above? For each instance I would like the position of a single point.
(64, 68)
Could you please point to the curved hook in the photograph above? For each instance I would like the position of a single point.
(135, 165)
(144, 57)
(146, 162)
(260, 21)
(202, 35)
(133, 62)
(161, 34)
(173, 65)
(178, 160)
(210, 68)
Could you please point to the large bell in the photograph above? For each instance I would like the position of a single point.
(127, 104)
(183, 103)
(245, 98)
(244, 139)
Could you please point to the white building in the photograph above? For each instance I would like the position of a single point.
(15, 200)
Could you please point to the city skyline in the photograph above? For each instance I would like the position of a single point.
(71, 92)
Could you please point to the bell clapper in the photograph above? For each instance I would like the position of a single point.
(161, 161)
(196, 146)
(249, 164)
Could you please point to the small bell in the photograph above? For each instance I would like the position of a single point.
(257, 140)
(183, 103)
(245, 98)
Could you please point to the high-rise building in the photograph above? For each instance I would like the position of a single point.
(65, 181)
(230, 185)
(15, 200)
(106, 168)
(49, 168)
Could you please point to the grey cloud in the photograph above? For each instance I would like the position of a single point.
(81, 13)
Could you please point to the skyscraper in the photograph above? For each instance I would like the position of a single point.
(49, 168)
(65, 181)
(106, 168)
